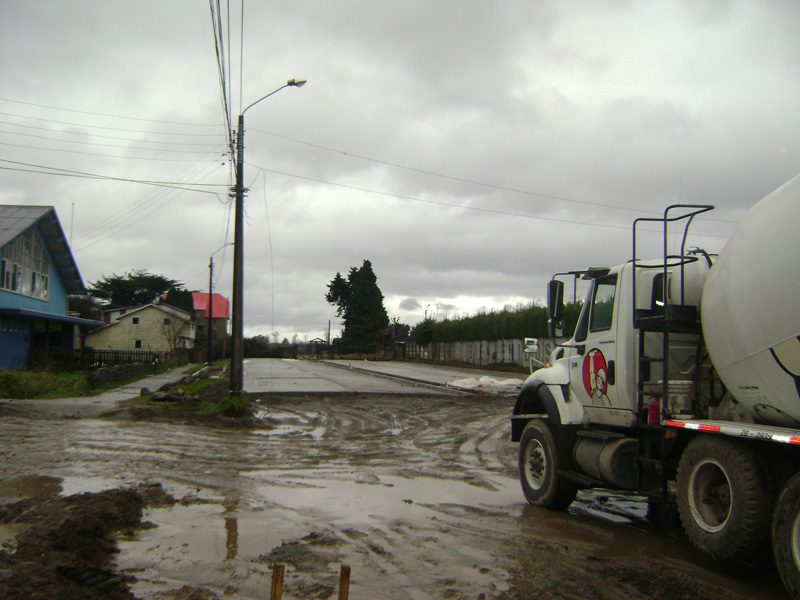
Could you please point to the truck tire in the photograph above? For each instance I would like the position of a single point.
(540, 458)
(722, 497)
(786, 535)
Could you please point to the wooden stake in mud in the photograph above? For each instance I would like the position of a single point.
(277, 583)
(344, 583)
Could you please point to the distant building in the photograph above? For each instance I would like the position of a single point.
(156, 327)
(37, 274)
(220, 313)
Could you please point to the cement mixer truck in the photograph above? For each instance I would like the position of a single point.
(681, 382)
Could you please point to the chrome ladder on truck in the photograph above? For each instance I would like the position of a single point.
(664, 317)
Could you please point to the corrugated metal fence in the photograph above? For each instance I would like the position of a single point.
(480, 352)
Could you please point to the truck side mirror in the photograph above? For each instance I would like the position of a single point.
(555, 299)
(555, 328)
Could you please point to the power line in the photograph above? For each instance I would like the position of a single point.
(124, 147)
(152, 158)
(85, 175)
(464, 180)
(95, 114)
(104, 137)
(461, 206)
(136, 213)
(99, 227)
(219, 47)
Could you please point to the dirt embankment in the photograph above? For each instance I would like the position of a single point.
(65, 545)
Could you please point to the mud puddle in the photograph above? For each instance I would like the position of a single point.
(418, 495)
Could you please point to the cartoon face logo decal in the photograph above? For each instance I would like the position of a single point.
(595, 377)
(787, 355)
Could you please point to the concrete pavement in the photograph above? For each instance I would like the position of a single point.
(304, 376)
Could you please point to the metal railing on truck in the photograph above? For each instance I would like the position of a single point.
(662, 318)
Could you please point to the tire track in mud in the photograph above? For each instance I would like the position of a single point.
(418, 494)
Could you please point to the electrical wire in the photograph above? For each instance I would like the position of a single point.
(104, 137)
(216, 26)
(139, 131)
(454, 205)
(96, 114)
(41, 137)
(85, 175)
(100, 154)
(637, 210)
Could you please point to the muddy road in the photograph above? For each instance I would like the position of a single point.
(418, 494)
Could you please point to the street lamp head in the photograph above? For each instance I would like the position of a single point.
(296, 82)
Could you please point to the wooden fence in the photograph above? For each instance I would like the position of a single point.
(84, 359)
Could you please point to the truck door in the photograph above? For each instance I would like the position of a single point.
(593, 367)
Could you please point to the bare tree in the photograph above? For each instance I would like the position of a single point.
(174, 329)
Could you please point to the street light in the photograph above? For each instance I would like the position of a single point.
(237, 321)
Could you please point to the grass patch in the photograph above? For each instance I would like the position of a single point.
(233, 405)
(196, 386)
(26, 385)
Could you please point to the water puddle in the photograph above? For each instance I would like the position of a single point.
(207, 545)
(30, 486)
(46, 486)
(359, 500)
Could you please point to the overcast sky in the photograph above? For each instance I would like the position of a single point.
(468, 149)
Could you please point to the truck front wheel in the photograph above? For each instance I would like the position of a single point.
(722, 497)
(786, 535)
(540, 458)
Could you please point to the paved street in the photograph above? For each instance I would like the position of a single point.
(279, 375)
(357, 376)
(433, 374)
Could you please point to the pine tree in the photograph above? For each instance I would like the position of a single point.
(359, 303)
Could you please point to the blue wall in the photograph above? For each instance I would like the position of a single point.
(15, 341)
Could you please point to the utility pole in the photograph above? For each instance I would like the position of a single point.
(237, 323)
(237, 318)
(210, 304)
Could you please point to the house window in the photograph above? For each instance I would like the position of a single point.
(135, 320)
(167, 321)
(137, 344)
(25, 268)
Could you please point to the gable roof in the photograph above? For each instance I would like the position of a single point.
(219, 305)
(129, 312)
(14, 220)
(167, 308)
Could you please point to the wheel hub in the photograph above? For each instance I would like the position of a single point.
(710, 495)
(537, 464)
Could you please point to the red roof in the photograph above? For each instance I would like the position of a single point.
(220, 308)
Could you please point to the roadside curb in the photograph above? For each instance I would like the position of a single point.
(420, 382)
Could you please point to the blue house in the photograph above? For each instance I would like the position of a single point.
(38, 272)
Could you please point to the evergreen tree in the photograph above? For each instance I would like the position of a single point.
(359, 303)
(133, 289)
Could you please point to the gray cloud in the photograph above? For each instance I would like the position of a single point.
(468, 149)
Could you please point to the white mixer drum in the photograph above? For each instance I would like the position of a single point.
(751, 309)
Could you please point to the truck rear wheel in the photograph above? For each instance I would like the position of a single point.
(540, 458)
(722, 497)
(786, 535)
